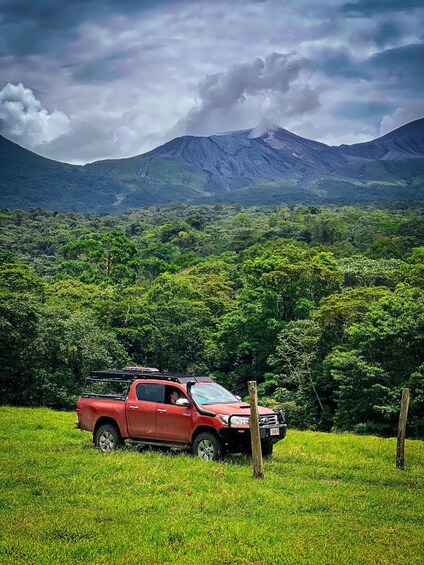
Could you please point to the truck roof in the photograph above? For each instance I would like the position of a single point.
(125, 375)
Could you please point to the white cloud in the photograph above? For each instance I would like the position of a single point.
(89, 141)
(24, 119)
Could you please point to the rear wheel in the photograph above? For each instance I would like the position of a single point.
(207, 446)
(107, 438)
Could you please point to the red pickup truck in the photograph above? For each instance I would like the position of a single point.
(145, 407)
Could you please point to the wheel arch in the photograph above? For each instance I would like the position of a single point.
(201, 429)
(105, 420)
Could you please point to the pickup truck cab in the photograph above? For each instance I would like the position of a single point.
(146, 407)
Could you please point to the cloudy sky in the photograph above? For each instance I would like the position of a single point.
(93, 79)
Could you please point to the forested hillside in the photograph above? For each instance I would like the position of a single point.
(323, 307)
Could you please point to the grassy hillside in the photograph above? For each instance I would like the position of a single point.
(326, 499)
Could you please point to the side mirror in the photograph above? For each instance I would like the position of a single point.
(183, 402)
(238, 398)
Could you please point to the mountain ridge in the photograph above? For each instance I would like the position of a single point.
(406, 142)
(258, 165)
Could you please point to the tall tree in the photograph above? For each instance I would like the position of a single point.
(384, 353)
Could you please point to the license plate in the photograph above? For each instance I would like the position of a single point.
(274, 431)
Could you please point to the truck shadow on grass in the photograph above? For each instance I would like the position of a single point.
(242, 459)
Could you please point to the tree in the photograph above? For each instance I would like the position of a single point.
(384, 352)
(110, 256)
(340, 310)
(362, 271)
(299, 276)
(247, 336)
(182, 311)
(296, 363)
(365, 400)
(413, 269)
(68, 345)
(21, 294)
(18, 328)
(74, 294)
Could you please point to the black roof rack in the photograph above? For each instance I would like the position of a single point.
(132, 375)
(141, 369)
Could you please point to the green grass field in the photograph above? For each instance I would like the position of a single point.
(326, 499)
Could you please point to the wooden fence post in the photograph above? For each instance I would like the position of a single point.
(400, 448)
(258, 466)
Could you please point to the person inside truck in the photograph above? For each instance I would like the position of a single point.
(174, 396)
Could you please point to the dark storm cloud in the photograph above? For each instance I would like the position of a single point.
(100, 70)
(338, 63)
(401, 67)
(38, 26)
(369, 8)
(94, 72)
(382, 34)
(50, 13)
(387, 32)
(357, 110)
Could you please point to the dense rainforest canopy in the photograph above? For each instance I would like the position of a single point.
(324, 307)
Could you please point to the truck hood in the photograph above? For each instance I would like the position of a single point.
(234, 408)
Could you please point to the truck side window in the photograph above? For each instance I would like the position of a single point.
(172, 394)
(150, 392)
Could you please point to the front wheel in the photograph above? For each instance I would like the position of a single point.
(207, 446)
(108, 438)
(267, 450)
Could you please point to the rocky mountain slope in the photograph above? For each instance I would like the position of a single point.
(229, 161)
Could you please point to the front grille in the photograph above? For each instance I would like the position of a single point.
(268, 420)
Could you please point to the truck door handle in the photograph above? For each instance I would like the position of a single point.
(161, 410)
(133, 407)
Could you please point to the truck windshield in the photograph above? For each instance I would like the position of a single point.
(212, 394)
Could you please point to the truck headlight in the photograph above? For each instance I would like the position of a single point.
(235, 420)
(240, 421)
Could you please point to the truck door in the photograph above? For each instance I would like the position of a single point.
(142, 412)
(173, 423)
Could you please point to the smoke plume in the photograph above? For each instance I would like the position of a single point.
(274, 79)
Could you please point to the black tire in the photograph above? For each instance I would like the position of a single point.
(267, 450)
(107, 438)
(207, 446)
